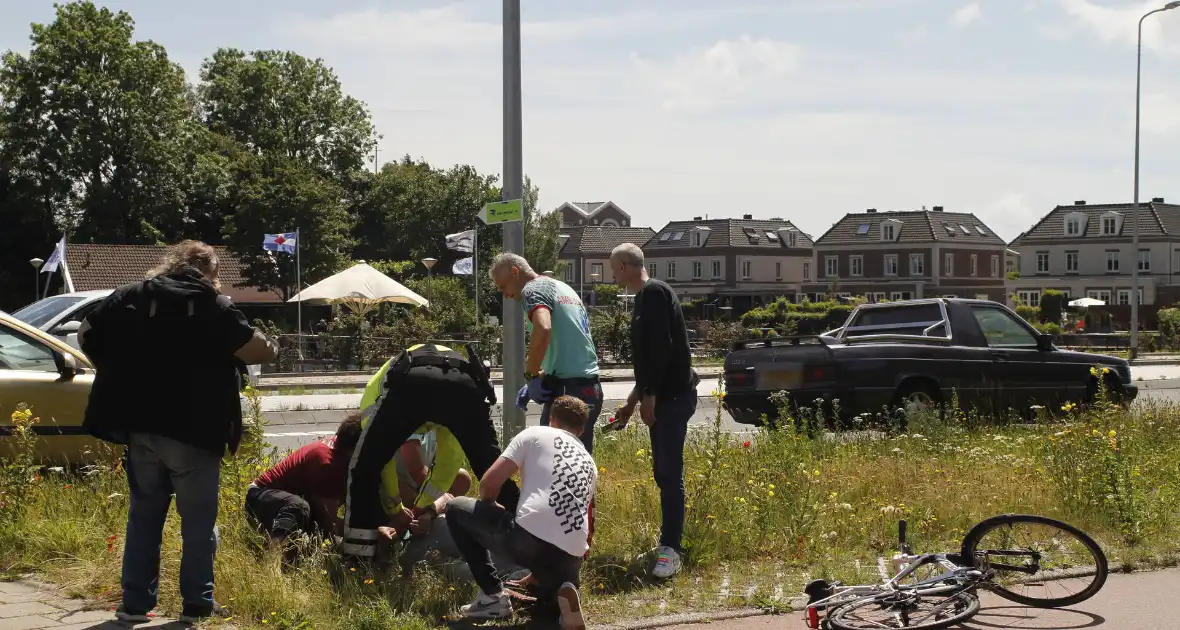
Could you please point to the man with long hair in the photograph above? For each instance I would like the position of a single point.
(169, 351)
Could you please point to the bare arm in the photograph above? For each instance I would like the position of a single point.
(411, 453)
(542, 321)
(500, 471)
(259, 349)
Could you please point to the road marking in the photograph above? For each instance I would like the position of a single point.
(299, 434)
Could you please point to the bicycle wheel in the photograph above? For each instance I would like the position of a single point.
(1021, 572)
(905, 609)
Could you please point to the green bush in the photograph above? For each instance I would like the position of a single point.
(1052, 306)
(1048, 327)
(1029, 313)
(1169, 326)
(805, 318)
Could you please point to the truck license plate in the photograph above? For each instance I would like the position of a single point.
(780, 379)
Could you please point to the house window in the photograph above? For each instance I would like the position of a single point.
(716, 269)
(1029, 297)
(569, 273)
(1112, 261)
(596, 272)
(778, 271)
(651, 270)
(1109, 226)
(671, 271)
(1042, 262)
(747, 269)
(917, 265)
(792, 238)
(891, 264)
(1124, 297)
(856, 265)
(995, 266)
(697, 239)
(948, 265)
(1176, 260)
(696, 270)
(899, 295)
(974, 267)
(1145, 260)
(888, 231)
(1073, 227)
(876, 297)
(1099, 294)
(807, 270)
(831, 266)
(1071, 262)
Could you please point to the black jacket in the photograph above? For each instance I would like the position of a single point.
(163, 350)
(659, 342)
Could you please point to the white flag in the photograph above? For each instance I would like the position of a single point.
(463, 267)
(463, 242)
(58, 256)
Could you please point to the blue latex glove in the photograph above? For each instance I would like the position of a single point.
(538, 392)
(522, 398)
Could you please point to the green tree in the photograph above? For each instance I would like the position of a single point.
(281, 103)
(97, 123)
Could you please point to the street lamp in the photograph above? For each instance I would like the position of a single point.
(1135, 202)
(36, 263)
(429, 262)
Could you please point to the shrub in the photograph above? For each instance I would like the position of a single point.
(1028, 313)
(1169, 326)
(1049, 328)
(1052, 306)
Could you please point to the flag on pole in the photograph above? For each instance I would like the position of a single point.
(463, 267)
(57, 257)
(286, 242)
(462, 242)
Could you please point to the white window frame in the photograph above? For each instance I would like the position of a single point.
(1042, 257)
(807, 270)
(716, 269)
(891, 258)
(896, 295)
(778, 270)
(1075, 258)
(568, 273)
(917, 264)
(878, 296)
(747, 269)
(974, 265)
(1110, 225)
(697, 268)
(671, 267)
(1123, 297)
(995, 266)
(1099, 294)
(1029, 297)
(831, 266)
(948, 265)
(601, 273)
(651, 269)
(888, 231)
(856, 266)
(1073, 227)
(1144, 257)
(697, 239)
(1113, 264)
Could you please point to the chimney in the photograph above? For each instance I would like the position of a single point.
(1080, 202)
(748, 217)
(1157, 200)
(696, 218)
(871, 210)
(938, 208)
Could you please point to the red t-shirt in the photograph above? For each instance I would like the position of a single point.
(315, 470)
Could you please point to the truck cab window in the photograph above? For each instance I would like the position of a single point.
(1001, 329)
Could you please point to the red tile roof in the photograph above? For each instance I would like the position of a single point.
(97, 267)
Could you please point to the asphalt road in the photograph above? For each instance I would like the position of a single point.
(1127, 602)
(293, 421)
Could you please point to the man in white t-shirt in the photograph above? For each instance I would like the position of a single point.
(548, 534)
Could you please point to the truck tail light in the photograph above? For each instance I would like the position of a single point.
(815, 373)
(744, 378)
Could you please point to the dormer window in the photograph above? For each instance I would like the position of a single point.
(697, 239)
(890, 230)
(1111, 223)
(700, 236)
(1073, 227)
(792, 238)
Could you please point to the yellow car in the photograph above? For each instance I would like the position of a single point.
(54, 380)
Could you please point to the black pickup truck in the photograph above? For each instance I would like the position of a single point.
(919, 354)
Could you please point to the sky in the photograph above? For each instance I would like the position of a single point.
(799, 109)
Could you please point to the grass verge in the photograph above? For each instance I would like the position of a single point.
(765, 515)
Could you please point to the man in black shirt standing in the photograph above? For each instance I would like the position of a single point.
(665, 390)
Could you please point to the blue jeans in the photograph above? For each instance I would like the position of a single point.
(157, 467)
(589, 393)
(668, 434)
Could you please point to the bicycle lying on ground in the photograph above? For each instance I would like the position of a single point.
(939, 590)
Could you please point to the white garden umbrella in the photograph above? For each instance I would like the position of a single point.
(360, 288)
(1086, 302)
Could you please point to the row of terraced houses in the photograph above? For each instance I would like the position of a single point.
(1080, 249)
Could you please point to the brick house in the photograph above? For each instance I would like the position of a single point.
(586, 250)
(908, 255)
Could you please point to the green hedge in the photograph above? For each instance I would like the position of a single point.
(806, 318)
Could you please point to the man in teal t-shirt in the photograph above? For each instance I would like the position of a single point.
(561, 349)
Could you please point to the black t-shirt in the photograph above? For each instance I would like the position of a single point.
(659, 342)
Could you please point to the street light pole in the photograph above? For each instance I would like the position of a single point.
(513, 316)
(1134, 350)
(36, 263)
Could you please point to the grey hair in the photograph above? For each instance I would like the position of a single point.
(628, 254)
(508, 260)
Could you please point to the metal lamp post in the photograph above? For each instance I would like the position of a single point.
(513, 317)
(1135, 200)
(36, 263)
(430, 263)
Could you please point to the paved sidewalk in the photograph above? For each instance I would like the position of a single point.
(28, 605)
(357, 380)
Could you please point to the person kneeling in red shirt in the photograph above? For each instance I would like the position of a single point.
(304, 492)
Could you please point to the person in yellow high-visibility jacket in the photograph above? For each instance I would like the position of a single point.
(426, 388)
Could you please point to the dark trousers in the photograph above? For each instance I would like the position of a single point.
(480, 529)
(667, 457)
(278, 513)
(589, 391)
(446, 397)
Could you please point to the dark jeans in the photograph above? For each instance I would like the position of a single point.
(157, 467)
(588, 391)
(277, 512)
(480, 529)
(667, 458)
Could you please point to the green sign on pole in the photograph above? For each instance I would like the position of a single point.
(502, 212)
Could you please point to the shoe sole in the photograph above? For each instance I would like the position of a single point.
(129, 618)
(570, 604)
(488, 615)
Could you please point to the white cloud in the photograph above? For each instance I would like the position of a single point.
(1160, 114)
(727, 72)
(966, 14)
(1161, 32)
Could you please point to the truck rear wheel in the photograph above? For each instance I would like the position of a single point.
(914, 398)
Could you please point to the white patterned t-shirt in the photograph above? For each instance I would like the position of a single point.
(557, 480)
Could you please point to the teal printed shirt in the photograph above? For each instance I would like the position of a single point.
(571, 352)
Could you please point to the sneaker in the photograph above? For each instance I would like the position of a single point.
(132, 616)
(488, 607)
(194, 614)
(570, 604)
(667, 563)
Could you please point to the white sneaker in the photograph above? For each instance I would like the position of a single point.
(488, 607)
(570, 604)
(667, 563)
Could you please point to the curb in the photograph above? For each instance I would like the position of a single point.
(685, 619)
(313, 385)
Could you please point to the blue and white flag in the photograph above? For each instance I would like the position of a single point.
(56, 258)
(280, 242)
(463, 267)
